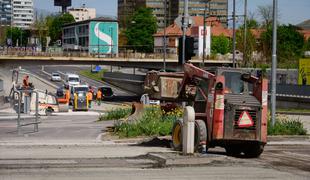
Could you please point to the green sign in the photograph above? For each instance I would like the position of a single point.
(103, 37)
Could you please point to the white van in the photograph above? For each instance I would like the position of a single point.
(72, 80)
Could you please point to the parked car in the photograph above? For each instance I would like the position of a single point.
(107, 93)
(55, 77)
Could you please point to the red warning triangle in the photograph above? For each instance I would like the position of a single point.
(245, 120)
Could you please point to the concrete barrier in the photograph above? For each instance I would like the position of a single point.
(129, 82)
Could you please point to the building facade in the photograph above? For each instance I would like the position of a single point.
(173, 32)
(97, 36)
(83, 13)
(5, 12)
(23, 13)
(174, 8)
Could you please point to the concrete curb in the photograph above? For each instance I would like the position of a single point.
(293, 113)
(288, 138)
(175, 160)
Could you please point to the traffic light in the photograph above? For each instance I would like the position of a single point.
(189, 48)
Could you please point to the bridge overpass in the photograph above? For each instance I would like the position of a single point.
(121, 62)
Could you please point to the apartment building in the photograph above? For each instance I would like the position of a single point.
(5, 12)
(174, 8)
(23, 13)
(82, 13)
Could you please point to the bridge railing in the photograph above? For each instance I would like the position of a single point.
(126, 52)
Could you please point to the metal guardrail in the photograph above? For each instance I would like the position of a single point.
(290, 90)
(19, 94)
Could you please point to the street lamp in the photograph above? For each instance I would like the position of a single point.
(234, 33)
(165, 38)
(274, 62)
(111, 45)
(98, 48)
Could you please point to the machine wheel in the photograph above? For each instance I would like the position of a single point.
(200, 135)
(48, 111)
(177, 135)
(254, 151)
(233, 150)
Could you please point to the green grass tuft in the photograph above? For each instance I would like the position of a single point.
(286, 126)
(96, 76)
(115, 114)
(153, 123)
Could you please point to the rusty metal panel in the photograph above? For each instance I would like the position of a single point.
(169, 87)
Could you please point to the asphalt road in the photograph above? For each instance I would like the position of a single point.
(73, 69)
(69, 146)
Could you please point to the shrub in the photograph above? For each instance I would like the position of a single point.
(286, 126)
(154, 122)
(116, 114)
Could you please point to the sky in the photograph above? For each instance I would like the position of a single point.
(290, 11)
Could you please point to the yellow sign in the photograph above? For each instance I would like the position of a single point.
(304, 72)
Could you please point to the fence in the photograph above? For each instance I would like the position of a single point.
(289, 89)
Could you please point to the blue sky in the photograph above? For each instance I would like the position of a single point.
(291, 11)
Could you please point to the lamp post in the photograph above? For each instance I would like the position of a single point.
(245, 33)
(98, 40)
(234, 33)
(165, 38)
(204, 34)
(185, 24)
(274, 62)
(111, 34)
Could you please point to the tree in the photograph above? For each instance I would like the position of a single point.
(250, 44)
(290, 44)
(55, 25)
(141, 29)
(220, 44)
(265, 12)
(19, 36)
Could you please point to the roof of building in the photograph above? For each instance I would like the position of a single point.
(306, 33)
(217, 28)
(304, 25)
(98, 19)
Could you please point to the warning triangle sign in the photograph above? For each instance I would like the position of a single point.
(245, 120)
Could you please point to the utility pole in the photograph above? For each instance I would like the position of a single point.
(185, 24)
(234, 33)
(204, 34)
(165, 38)
(274, 62)
(245, 33)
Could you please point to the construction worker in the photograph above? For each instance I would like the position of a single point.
(99, 96)
(89, 98)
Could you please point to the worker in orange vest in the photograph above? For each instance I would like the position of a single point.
(89, 98)
(99, 96)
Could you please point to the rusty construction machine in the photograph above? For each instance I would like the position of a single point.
(230, 106)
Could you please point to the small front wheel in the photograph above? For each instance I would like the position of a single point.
(177, 135)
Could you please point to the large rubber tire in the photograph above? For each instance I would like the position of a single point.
(253, 151)
(200, 135)
(177, 135)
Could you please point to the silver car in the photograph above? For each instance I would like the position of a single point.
(55, 77)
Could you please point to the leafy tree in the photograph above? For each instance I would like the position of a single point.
(220, 44)
(250, 45)
(307, 45)
(55, 25)
(18, 35)
(290, 44)
(141, 29)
